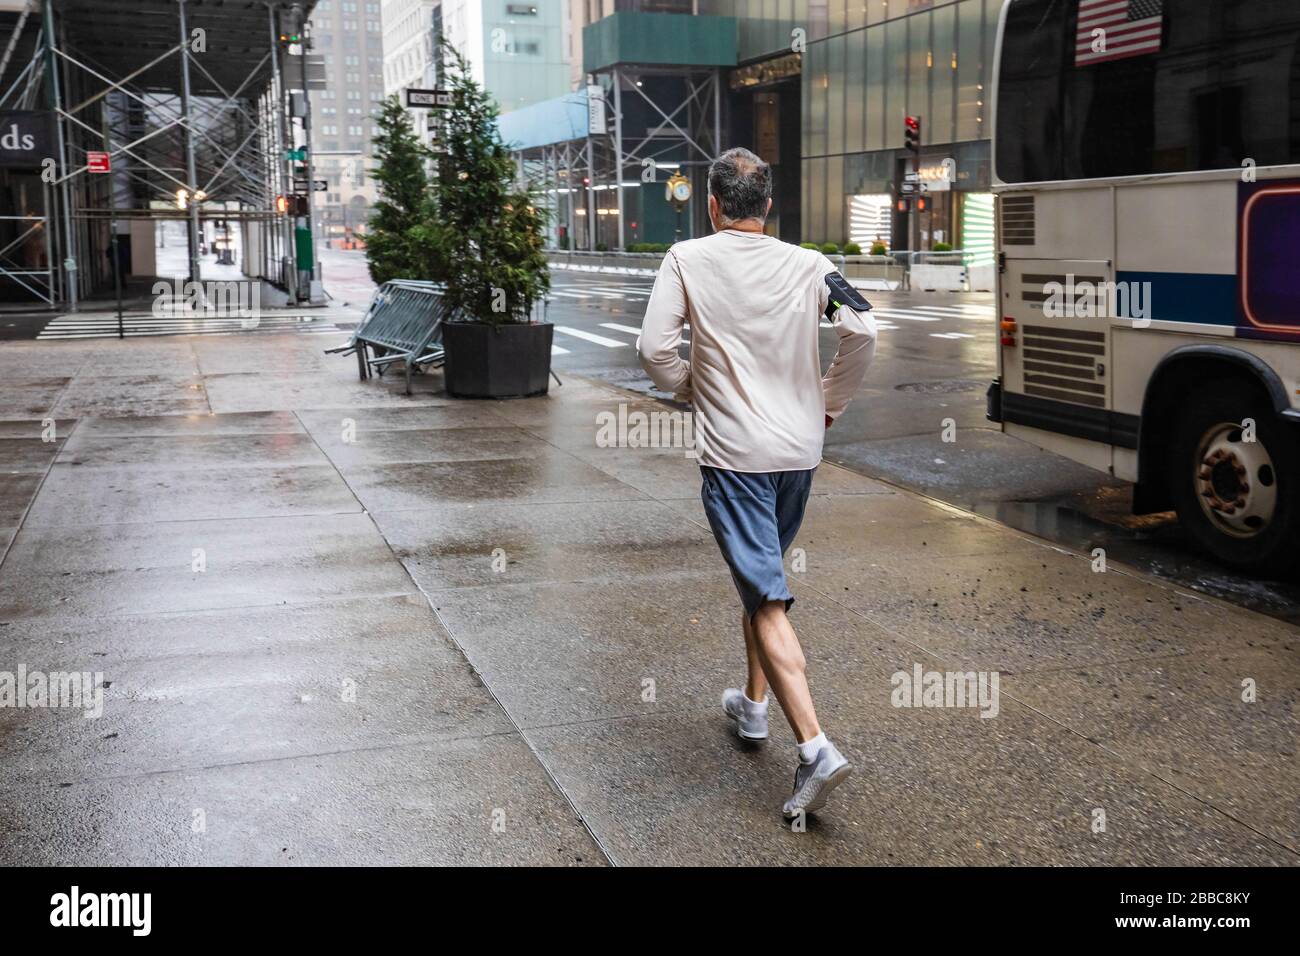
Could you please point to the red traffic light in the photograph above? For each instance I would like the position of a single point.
(912, 134)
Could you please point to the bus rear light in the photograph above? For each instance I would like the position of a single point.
(1008, 324)
(1009, 340)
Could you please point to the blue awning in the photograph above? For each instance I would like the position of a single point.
(552, 121)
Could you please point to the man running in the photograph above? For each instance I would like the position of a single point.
(761, 408)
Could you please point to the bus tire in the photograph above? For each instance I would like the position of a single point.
(1238, 499)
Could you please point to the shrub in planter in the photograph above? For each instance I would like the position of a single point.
(400, 159)
(878, 249)
(852, 249)
(807, 245)
(941, 247)
(830, 248)
(488, 237)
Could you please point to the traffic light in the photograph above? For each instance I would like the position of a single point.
(282, 204)
(912, 135)
(920, 204)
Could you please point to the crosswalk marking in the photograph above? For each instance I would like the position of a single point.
(911, 317)
(618, 290)
(590, 337)
(602, 292)
(954, 309)
(629, 329)
(950, 335)
(880, 323)
(556, 350)
(83, 326)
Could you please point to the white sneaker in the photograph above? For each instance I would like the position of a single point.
(813, 782)
(749, 728)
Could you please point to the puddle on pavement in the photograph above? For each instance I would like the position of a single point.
(1153, 543)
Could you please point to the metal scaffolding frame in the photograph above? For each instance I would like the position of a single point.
(190, 100)
(556, 171)
(685, 120)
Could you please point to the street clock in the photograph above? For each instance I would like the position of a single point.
(678, 189)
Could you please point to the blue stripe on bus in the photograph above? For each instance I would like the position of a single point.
(1187, 296)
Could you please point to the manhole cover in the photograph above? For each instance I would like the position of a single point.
(942, 388)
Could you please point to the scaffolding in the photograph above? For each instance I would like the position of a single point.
(643, 123)
(193, 101)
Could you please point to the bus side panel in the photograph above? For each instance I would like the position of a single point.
(1176, 244)
(1055, 378)
(1181, 237)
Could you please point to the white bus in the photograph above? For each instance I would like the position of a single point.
(1146, 160)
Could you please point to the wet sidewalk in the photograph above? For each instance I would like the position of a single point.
(338, 625)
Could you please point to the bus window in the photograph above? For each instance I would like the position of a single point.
(1215, 85)
(1034, 44)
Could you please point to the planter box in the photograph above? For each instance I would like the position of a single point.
(496, 361)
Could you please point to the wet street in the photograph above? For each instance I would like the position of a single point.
(935, 359)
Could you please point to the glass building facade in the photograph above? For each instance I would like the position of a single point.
(867, 65)
(861, 67)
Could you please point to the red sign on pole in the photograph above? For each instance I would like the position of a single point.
(98, 162)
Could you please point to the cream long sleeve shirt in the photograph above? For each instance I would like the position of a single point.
(753, 304)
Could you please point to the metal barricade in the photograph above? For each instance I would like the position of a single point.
(403, 323)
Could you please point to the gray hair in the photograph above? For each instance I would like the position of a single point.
(742, 184)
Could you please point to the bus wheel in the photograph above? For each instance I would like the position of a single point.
(1236, 492)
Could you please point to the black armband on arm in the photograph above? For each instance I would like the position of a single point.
(842, 294)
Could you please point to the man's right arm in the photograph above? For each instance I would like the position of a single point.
(661, 332)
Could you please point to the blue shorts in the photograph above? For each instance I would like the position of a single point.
(754, 517)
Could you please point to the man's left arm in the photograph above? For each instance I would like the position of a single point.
(850, 314)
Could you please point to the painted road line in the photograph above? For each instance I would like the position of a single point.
(880, 324)
(556, 350)
(590, 337)
(629, 329)
(909, 316)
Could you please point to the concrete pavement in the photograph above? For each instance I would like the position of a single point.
(339, 625)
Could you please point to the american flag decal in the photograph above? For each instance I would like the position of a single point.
(1128, 28)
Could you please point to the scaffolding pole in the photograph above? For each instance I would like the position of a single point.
(70, 244)
(191, 171)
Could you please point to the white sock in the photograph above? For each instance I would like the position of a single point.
(809, 749)
(753, 708)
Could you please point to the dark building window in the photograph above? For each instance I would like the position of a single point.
(1214, 84)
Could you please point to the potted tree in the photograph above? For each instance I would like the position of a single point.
(392, 251)
(488, 233)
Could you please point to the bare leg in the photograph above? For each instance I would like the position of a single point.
(756, 686)
(783, 663)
